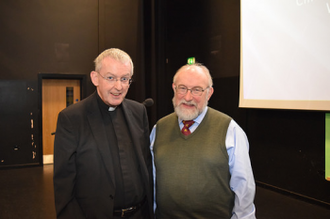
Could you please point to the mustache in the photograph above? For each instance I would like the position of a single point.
(192, 103)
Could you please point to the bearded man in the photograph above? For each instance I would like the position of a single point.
(201, 160)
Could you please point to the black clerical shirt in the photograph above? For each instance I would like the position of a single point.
(129, 185)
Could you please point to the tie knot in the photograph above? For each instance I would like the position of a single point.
(188, 123)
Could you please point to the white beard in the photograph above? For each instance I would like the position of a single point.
(187, 114)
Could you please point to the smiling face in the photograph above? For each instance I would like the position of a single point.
(188, 106)
(112, 93)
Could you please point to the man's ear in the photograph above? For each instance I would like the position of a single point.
(173, 86)
(211, 90)
(95, 78)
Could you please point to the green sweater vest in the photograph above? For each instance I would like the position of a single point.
(192, 171)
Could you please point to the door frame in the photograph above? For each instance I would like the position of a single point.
(41, 76)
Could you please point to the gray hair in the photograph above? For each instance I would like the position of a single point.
(196, 65)
(116, 54)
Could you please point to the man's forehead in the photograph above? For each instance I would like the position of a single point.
(108, 73)
(191, 71)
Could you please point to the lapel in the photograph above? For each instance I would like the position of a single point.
(134, 127)
(94, 117)
(132, 123)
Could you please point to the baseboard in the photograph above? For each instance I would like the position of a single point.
(293, 194)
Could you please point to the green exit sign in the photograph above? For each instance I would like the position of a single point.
(191, 60)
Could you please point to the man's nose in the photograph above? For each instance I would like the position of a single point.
(188, 96)
(118, 85)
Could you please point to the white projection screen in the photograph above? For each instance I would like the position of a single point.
(285, 54)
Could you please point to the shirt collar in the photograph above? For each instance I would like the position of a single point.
(111, 109)
(199, 118)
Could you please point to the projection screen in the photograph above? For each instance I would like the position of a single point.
(285, 54)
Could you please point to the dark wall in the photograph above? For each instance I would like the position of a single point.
(287, 147)
(288, 151)
(52, 37)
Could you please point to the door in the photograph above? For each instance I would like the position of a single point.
(57, 94)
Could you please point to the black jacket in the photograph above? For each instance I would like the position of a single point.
(84, 184)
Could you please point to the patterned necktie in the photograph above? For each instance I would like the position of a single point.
(186, 124)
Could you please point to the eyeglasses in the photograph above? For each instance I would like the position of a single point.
(112, 80)
(195, 91)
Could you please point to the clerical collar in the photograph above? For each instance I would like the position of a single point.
(111, 109)
(105, 106)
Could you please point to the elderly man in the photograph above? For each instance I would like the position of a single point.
(102, 161)
(202, 167)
